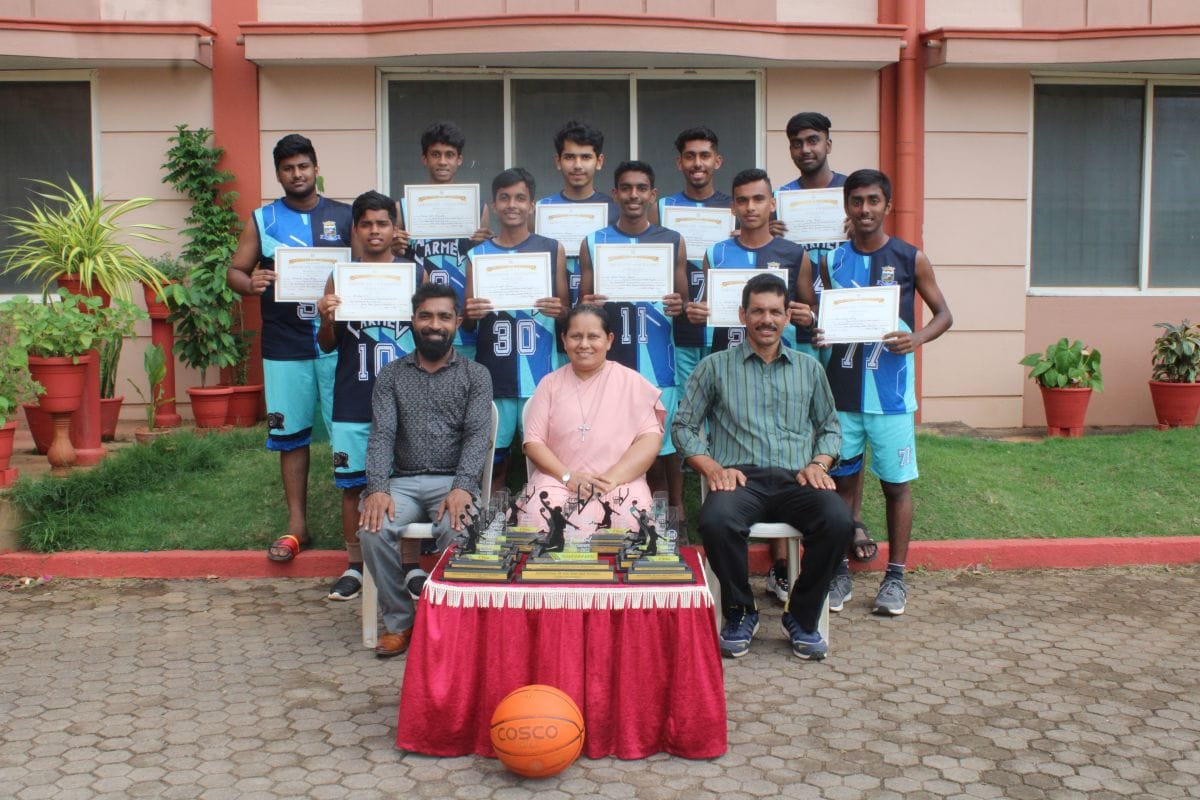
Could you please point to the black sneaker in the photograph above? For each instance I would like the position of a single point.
(414, 582)
(347, 587)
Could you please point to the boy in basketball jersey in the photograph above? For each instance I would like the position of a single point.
(644, 338)
(444, 260)
(363, 348)
(874, 384)
(296, 373)
(517, 347)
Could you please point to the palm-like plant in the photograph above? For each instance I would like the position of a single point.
(77, 234)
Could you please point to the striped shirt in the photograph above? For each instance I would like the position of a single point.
(430, 423)
(779, 414)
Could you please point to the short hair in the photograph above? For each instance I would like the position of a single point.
(432, 291)
(373, 201)
(293, 145)
(751, 176)
(443, 132)
(699, 133)
(808, 120)
(511, 177)
(764, 283)
(588, 308)
(867, 177)
(580, 133)
(633, 166)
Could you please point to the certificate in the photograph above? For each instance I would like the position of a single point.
(441, 210)
(371, 292)
(570, 223)
(512, 281)
(699, 227)
(626, 273)
(301, 272)
(812, 215)
(859, 315)
(725, 294)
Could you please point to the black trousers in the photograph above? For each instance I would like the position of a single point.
(772, 495)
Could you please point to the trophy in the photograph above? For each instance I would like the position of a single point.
(660, 561)
(478, 556)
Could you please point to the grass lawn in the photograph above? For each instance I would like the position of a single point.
(223, 491)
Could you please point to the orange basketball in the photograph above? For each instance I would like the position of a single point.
(537, 731)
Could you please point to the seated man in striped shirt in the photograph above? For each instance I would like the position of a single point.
(773, 436)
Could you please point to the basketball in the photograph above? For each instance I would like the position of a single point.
(537, 731)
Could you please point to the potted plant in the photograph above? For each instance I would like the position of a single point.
(116, 322)
(247, 397)
(174, 271)
(79, 238)
(155, 364)
(1066, 374)
(1175, 382)
(16, 387)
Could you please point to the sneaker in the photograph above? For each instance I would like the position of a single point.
(415, 582)
(740, 627)
(891, 597)
(347, 587)
(840, 591)
(809, 646)
(777, 582)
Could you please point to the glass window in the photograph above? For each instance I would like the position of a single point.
(1087, 181)
(1174, 212)
(47, 135)
(666, 107)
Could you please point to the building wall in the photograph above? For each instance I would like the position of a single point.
(139, 10)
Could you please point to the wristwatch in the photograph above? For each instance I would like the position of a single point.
(566, 477)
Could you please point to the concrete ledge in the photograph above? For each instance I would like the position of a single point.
(967, 554)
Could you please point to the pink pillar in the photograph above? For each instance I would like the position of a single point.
(85, 426)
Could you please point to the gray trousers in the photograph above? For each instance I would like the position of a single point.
(417, 499)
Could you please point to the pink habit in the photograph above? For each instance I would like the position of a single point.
(614, 406)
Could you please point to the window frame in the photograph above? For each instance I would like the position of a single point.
(386, 75)
(1149, 82)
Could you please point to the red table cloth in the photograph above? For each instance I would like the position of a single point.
(641, 662)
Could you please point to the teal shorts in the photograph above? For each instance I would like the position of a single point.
(670, 399)
(293, 389)
(686, 359)
(893, 442)
(349, 443)
(509, 411)
(466, 350)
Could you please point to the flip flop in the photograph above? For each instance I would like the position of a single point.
(862, 547)
(289, 543)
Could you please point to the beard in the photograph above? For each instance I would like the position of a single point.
(432, 349)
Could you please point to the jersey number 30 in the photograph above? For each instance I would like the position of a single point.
(526, 337)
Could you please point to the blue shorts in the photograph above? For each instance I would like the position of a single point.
(349, 443)
(293, 389)
(686, 359)
(670, 399)
(893, 445)
(510, 410)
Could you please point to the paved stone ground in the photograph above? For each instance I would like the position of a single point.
(997, 685)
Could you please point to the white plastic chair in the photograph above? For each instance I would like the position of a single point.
(417, 530)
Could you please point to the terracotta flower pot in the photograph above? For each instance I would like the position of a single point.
(1065, 411)
(63, 379)
(155, 307)
(41, 426)
(7, 474)
(146, 436)
(1175, 404)
(74, 286)
(243, 406)
(110, 414)
(210, 406)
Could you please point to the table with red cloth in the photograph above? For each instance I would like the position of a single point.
(641, 662)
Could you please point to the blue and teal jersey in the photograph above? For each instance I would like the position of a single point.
(643, 338)
(732, 254)
(865, 377)
(289, 330)
(687, 334)
(363, 350)
(517, 347)
(443, 261)
(816, 250)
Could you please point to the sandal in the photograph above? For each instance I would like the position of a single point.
(285, 548)
(862, 547)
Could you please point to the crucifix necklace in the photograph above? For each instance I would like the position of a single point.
(584, 428)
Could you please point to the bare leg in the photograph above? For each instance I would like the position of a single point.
(500, 474)
(656, 476)
(674, 478)
(350, 498)
(849, 488)
(293, 467)
(778, 550)
(898, 500)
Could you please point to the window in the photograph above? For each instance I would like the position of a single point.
(1114, 170)
(47, 136)
(510, 120)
